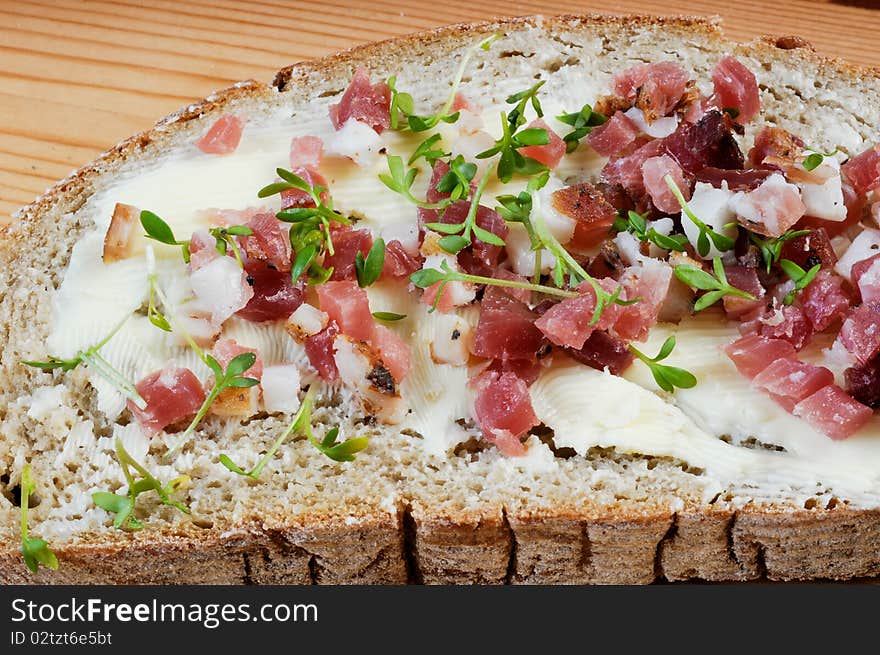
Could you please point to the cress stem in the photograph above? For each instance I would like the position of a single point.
(104, 369)
(540, 288)
(203, 410)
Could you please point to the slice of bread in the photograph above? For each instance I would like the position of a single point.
(399, 514)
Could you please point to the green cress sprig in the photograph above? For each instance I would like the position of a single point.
(158, 230)
(511, 161)
(771, 248)
(369, 269)
(310, 226)
(94, 361)
(812, 161)
(459, 235)
(123, 505)
(721, 241)
(427, 277)
(583, 123)
(636, 224)
(231, 378)
(667, 377)
(34, 550)
(717, 286)
(403, 107)
(799, 276)
(344, 451)
(154, 314)
(429, 151)
(456, 182)
(518, 209)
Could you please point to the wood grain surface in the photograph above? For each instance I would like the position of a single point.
(76, 76)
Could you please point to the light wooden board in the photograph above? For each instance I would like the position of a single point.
(76, 76)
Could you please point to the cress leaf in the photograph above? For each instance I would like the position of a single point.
(696, 277)
(388, 316)
(239, 364)
(157, 229)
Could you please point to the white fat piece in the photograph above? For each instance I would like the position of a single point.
(712, 206)
(658, 129)
(354, 366)
(306, 321)
(406, 232)
(865, 245)
(557, 223)
(520, 253)
(355, 140)
(825, 200)
(221, 287)
(743, 204)
(281, 385)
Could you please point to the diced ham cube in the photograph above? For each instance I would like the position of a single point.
(807, 250)
(654, 172)
(364, 102)
(568, 322)
(550, 154)
(172, 394)
(860, 334)
(735, 88)
(788, 381)
(863, 170)
(603, 351)
(223, 137)
(275, 297)
(775, 143)
(306, 152)
(708, 142)
(863, 383)
(614, 135)
(503, 410)
(833, 412)
(321, 351)
(656, 89)
(225, 350)
(592, 213)
(506, 328)
(746, 279)
(753, 353)
(347, 305)
(650, 282)
(202, 249)
(626, 170)
(825, 301)
(269, 241)
(399, 263)
(347, 243)
(787, 322)
(392, 350)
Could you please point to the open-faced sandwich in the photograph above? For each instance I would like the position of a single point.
(581, 299)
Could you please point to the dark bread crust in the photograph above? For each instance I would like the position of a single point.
(630, 543)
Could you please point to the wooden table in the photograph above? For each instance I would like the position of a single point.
(76, 76)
